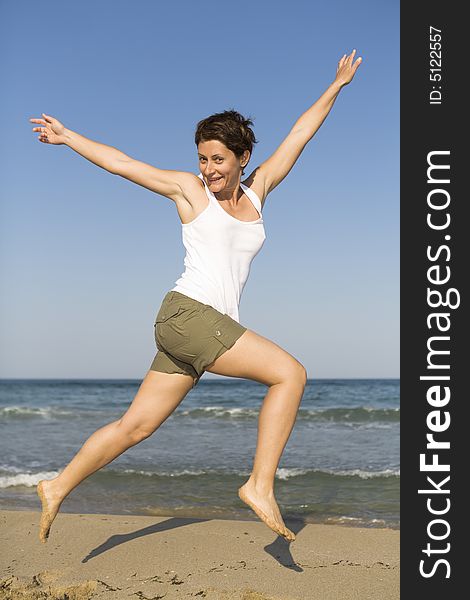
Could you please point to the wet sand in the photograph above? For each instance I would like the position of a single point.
(120, 556)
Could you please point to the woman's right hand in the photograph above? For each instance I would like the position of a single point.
(52, 130)
(347, 68)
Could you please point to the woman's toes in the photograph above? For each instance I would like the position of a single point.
(290, 535)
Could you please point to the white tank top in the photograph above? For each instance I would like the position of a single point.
(219, 251)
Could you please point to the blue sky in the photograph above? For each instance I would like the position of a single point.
(86, 257)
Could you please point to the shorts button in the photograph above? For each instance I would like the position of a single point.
(217, 332)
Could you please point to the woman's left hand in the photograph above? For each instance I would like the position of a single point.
(347, 68)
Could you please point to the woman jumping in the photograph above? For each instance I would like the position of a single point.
(197, 327)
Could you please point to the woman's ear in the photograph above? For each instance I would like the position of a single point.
(245, 158)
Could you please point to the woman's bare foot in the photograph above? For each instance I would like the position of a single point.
(265, 506)
(50, 507)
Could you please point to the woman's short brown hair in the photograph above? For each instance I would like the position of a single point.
(229, 127)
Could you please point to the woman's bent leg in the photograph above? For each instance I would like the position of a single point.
(158, 396)
(257, 358)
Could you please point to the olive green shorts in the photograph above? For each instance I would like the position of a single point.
(191, 335)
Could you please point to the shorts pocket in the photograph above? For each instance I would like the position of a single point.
(170, 330)
(218, 328)
(167, 312)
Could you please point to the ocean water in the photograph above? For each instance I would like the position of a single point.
(340, 464)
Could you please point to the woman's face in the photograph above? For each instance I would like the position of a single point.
(220, 167)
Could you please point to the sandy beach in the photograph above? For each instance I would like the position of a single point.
(150, 558)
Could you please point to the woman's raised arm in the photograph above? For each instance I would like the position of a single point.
(273, 170)
(164, 182)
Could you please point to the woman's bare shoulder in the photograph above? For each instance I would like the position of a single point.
(256, 182)
(193, 199)
(191, 186)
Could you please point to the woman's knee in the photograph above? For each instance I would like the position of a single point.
(303, 374)
(158, 396)
(134, 432)
(295, 371)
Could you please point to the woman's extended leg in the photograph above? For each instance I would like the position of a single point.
(255, 357)
(158, 396)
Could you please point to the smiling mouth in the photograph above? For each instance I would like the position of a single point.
(214, 180)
